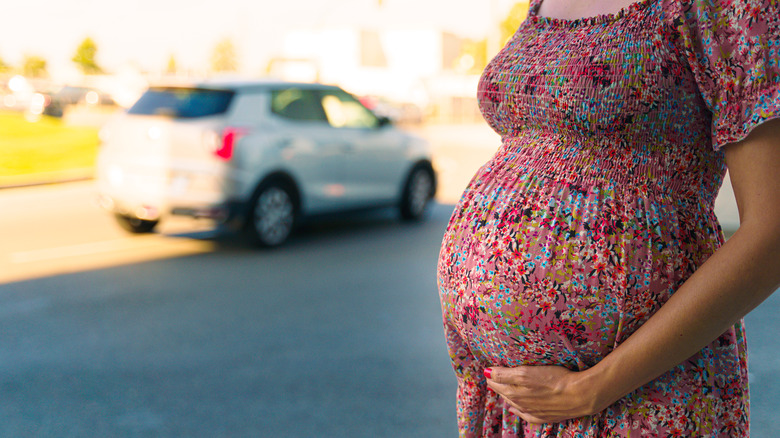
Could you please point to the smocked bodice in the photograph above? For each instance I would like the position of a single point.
(607, 100)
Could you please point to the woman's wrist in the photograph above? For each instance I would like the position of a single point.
(595, 388)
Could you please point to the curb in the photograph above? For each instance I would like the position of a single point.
(47, 178)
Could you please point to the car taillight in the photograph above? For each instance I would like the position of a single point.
(230, 136)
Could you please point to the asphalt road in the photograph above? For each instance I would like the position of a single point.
(191, 333)
(337, 334)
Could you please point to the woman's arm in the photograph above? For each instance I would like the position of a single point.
(732, 282)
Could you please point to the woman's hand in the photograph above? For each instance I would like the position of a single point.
(546, 394)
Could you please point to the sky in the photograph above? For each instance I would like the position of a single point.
(145, 33)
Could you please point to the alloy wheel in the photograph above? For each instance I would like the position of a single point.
(274, 215)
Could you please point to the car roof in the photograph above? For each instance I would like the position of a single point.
(248, 85)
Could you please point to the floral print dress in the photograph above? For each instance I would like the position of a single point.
(599, 205)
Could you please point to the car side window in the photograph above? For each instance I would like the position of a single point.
(344, 111)
(297, 104)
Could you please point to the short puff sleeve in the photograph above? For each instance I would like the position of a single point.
(732, 47)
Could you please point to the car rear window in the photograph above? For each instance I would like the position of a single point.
(185, 103)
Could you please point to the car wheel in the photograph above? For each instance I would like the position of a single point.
(135, 225)
(273, 215)
(417, 194)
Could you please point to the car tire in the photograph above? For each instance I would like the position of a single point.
(134, 224)
(418, 191)
(272, 214)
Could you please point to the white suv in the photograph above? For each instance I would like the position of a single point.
(259, 154)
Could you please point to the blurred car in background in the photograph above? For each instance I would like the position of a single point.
(54, 103)
(260, 155)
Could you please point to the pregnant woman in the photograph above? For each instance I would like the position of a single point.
(586, 287)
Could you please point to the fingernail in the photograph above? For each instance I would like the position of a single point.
(487, 372)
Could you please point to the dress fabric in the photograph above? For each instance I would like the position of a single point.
(599, 205)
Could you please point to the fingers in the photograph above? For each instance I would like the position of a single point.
(515, 411)
(519, 398)
(498, 374)
(505, 375)
(514, 396)
(528, 418)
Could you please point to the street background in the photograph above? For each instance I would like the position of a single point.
(192, 332)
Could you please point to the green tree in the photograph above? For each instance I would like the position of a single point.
(85, 57)
(509, 25)
(34, 67)
(223, 58)
(172, 68)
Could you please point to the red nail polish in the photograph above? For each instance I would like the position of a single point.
(487, 372)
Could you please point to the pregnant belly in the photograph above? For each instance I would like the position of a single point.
(544, 272)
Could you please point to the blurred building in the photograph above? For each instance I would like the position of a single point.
(412, 68)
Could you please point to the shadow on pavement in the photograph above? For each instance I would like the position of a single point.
(336, 334)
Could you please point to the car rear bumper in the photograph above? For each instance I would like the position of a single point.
(138, 209)
(220, 212)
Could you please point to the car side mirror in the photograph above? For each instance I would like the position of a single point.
(383, 121)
